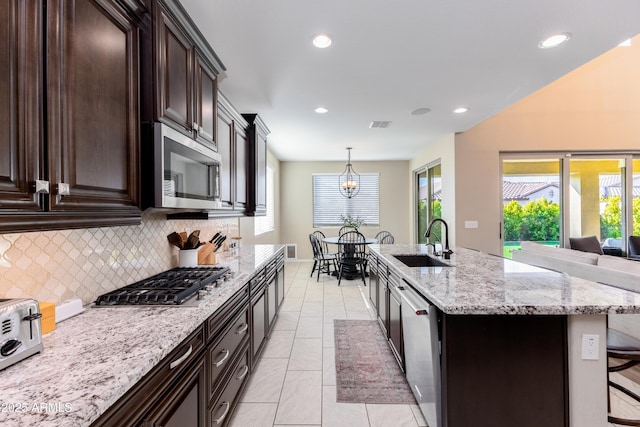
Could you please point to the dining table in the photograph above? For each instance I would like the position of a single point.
(351, 272)
(334, 240)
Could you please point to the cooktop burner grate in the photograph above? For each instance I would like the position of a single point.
(171, 287)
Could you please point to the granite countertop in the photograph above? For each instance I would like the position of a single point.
(93, 359)
(478, 283)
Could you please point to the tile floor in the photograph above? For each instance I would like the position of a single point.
(294, 382)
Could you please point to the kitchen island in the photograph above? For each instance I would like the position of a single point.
(92, 360)
(511, 337)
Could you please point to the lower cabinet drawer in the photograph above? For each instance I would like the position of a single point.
(222, 408)
(222, 354)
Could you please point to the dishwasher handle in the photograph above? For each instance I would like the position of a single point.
(417, 304)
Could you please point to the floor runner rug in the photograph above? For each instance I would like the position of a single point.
(366, 369)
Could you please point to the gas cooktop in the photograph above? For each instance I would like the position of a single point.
(172, 287)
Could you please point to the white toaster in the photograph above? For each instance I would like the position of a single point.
(20, 330)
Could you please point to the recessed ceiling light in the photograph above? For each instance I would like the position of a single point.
(461, 110)
(321, 110)
(420, 111)
(322, 40)
(554, 41)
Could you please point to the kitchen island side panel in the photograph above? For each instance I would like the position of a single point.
(504, 371)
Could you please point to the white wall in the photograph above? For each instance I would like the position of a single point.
(296, 203)
(593, 108)
(444, 151)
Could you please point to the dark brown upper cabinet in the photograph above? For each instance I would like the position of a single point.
(21, 92)
(185, 73)
(257, 133)
(232, 145)
(71, 157)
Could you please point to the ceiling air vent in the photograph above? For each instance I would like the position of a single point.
(380, 124)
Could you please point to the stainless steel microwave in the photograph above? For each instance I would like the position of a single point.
(186, 174)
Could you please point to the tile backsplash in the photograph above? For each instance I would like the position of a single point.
(84, 263)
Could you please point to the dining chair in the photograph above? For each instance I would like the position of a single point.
(626, 350)
(346, 228)
(321, 260)
(352, 255)
(325, 247)
(385, 238)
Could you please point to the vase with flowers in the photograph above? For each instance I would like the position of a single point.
(351, 221)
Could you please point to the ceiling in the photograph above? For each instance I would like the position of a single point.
(389, 58)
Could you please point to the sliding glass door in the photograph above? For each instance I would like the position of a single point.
(429, 198)
(548, 198)
(531, 196)
(597, 199)
(635, 209)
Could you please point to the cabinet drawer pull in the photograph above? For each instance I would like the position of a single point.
(41, 187)
(182, 358)
(242, 329)
(221, 361)
(245, 371)
(226, 411)
(63, 189)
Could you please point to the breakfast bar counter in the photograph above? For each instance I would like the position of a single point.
(477, 283)
(511, 336)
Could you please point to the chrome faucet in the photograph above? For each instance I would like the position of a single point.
(427, 234)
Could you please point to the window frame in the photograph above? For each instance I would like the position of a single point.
(325, 186)
(266, 224)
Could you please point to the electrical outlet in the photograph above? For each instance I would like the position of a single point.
(590, 345)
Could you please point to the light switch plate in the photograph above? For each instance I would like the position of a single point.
(471, 224)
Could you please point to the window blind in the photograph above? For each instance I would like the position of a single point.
(329, 204)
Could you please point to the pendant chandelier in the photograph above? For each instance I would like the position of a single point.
(349, 180)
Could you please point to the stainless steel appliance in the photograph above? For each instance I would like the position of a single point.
(20, 333)
(422, 353)
(178, 286)
(184, 174)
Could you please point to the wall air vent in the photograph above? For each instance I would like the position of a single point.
(380, 124)
(291, 251)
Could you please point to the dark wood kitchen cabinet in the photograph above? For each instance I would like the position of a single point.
(383, 297)
(510, 369)
(185, 71)
(267, 296)
(395, 318)
(232, 146)
(259, 307)
(176, 384)
(280, 279)
(382, 281)
(183, 406)
(21, 112)
(71, 102)
(374, 281)
(257, 133)
(199, 382)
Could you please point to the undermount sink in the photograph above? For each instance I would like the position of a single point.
(420, 261)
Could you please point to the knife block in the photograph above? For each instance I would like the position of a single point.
(206, 256)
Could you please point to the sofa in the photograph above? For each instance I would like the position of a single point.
(614, 271)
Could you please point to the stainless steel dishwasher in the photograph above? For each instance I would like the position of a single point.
(422, 352)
